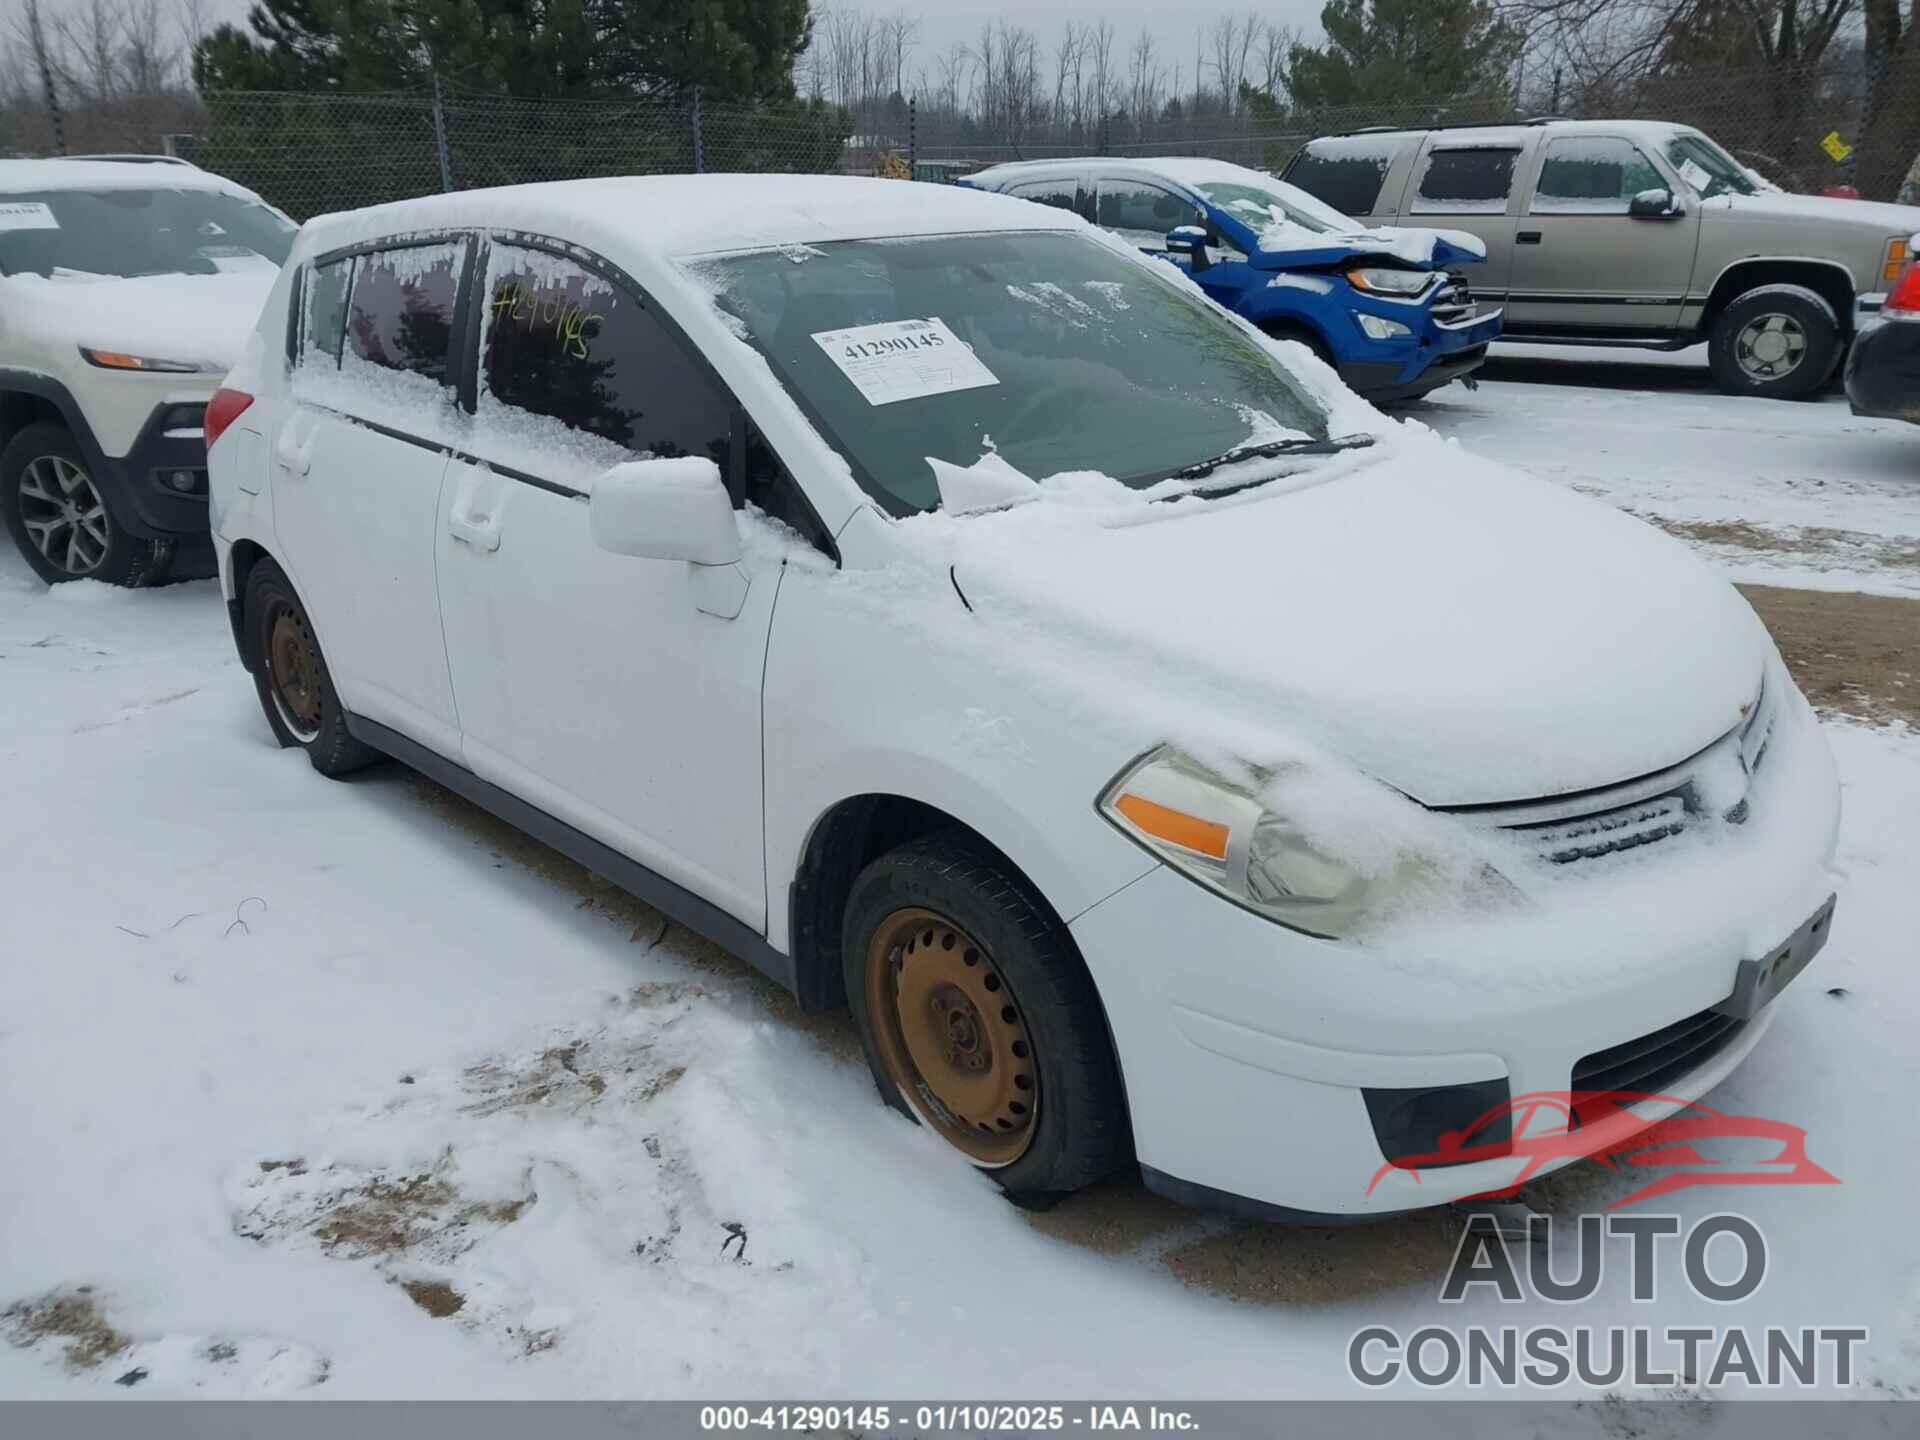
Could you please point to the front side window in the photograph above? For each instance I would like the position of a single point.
(566, 344)
(1144, 212)
(119, 233)
(401, 313)
(1708, 168)
(1044, 348)
(1464, 182)
(1343, 174)
(1592, 175)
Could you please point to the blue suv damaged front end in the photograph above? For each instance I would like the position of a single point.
(1381, 306)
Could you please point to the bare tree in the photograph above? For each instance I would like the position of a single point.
(1230, 41)
(1146, 81)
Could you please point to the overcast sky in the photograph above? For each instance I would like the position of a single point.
(948, 22)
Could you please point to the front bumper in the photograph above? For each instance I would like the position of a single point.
(1249, 1051)
(1883, 371)
(1434, 356)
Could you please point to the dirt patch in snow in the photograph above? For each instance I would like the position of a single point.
(70, 1315)
(436, 1297)
(353, 1214)
(1827, 549)
(1856, 655)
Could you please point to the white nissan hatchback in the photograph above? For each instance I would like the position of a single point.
(948, 609)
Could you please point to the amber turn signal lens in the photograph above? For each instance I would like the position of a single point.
(1176, 827)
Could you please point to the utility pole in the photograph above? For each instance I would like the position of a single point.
(54, 117)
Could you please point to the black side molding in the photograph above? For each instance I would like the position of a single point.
(673, 901)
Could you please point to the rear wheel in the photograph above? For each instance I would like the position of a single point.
(979, 1019)
(60, 520)
(290, 674)
(1779, 342)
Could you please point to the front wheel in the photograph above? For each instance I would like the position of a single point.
(1779, 342)
(979, 1020)
(60, 520)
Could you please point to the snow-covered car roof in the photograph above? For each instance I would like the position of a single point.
(687, 215)
(1651, 132)
(1187, 170)
(37, 176)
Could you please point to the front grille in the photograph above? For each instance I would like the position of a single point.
(1653, 1061)
(1607, 832)
(1454, 302)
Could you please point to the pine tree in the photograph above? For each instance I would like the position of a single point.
(1396, 52)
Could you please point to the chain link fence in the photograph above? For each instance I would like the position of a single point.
(314, 153)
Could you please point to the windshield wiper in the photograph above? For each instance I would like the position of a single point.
(1269, 450)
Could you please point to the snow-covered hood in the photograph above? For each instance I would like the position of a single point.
(1882, 219)
(1457, 630)
(203, 318)
(1285, 246)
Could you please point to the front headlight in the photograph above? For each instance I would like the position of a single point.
(1386, 280)
(1217, 833)
(1380, 329)
(116, 360)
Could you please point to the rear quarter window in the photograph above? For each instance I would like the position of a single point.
(323, 317)
(1343, 174)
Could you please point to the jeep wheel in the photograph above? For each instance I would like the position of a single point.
(289, 672)
(1780, 342)
(980, 1021)
(59, 519)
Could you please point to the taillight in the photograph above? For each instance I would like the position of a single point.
(223, 409)
(1905, 295)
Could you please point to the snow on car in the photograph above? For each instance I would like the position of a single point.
(1146, 740)
(126, 290)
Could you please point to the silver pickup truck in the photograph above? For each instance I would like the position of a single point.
(1633, 232)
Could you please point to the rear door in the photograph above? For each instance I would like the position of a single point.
(356, 466)
(1581, 262)
(1465, 183)
(1060, 192)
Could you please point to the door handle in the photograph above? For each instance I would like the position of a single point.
(294, 459)
(478, 531)
(1527, 237)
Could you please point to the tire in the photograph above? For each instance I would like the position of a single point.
(290, 674)
(1779, 342)
(1306, 337)
(61, 522)
(1013, 1034)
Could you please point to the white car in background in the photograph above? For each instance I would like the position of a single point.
(952, 612)
(127, 288)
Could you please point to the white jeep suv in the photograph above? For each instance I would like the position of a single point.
(126, 290)
(955, 614)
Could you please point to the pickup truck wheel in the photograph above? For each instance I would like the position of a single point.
(59, 519)
(290, 674)
(979, 1020)
(1776, 341)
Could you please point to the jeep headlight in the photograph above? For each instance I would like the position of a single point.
(1217, 833)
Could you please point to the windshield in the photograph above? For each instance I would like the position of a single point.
(1708, 168)
(1256, 207)
(1048, 351)
(127, 232)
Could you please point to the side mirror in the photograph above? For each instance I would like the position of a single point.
(1190, 241)
(1656, 204)
(665, 510)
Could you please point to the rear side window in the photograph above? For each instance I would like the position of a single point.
(1348, 179)
(1597, 175)
(323, 321)
(1139, 209)
(1060, 194)
(1464, 182)
(401, 314)
(566, 344)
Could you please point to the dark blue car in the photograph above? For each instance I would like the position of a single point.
(1380, 306)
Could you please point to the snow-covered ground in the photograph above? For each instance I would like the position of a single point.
(1777, 492)
(339, 1085)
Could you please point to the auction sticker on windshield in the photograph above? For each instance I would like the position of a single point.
(904, 360)
(26, 215)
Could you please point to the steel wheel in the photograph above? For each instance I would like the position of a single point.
(293, 672)
(950, 1036)
(63, 515)
(1770, 347)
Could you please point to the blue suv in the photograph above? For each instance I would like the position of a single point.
(1380, 306)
